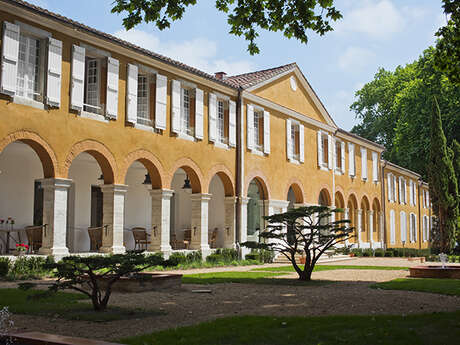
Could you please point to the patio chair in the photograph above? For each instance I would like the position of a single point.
(95, 237)
(35, 236)
(140, 238)
(213, 238)
(187, 238)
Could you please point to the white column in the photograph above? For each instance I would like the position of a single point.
(371, 227)
(55, 216)
(381, 229)
(161, 218)
(200, 203)
(243, 235)
(229, 236)
(360, 220)
(113, 218)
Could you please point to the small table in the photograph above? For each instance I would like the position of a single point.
(8, 236)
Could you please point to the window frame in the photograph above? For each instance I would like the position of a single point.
(143, 120)
(258, 129)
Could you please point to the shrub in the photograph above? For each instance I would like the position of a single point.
(389, 253)
(29, 267)
(5, 265)
(357, 252)
(253, 256)
(214, 258)
(379, 253)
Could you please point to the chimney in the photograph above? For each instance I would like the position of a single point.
(220, 75)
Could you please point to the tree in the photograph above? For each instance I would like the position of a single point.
(94, 276)
(447, 55)
(245, 18)
(443, 185)
(395, 109)
(303, 230)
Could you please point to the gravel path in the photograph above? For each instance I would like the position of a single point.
(349, 294)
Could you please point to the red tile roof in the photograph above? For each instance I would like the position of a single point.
(250, 79)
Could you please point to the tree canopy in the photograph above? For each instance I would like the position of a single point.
(395, 110)
(245, 18)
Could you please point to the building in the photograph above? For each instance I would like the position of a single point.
(97, 132)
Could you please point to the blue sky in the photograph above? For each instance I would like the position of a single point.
(372, 34)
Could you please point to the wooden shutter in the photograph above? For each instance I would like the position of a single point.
(330, 151)
(411, 228)
(363, 163)
(212, 115)
(415, 193)
(78, 77)
(232, 124)
(175, 106)
(390, 192)
(53, 82)
(131, 93)
(160, 101)
(403, 226)
(320, 148)
(10, 56)
(351, 159)
(199, 113)
(288, 138)
(400, 189)
(375, 167)
(112, 87)
(392, 227)
(334, 153)
(250, 126)
(301, 143)
(411, 194)
(342, 151)
(266, 132)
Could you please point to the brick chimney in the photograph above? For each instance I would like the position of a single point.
(220, 75)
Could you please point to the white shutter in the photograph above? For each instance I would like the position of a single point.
(403, 226)
(423, 228)
(415, 194)
(411, 228)
(232, 123)
(320, 149)
(301, 144)
(400, 190)
(112, 87)
(330, 153)
(78, 77)
(411, 194)
(10, 57)
(375, 170)
(394, 189)
(175, 106)
(342, 155)
(160, 101)
(415, 228)
(53, 82)
(199, 113)
(266, 132)
(363, 163)
(288, 138)
(392, 227)
(212, 117)
(131, 93)
(250, 126)
(390, 192)
(351, 159)
(334, 154)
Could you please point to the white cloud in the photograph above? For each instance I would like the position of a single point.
(200, 53)
(355, 57)
(376, 19)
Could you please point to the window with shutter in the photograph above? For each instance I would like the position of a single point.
(232, 124)
(339, 156)
(266, 132)
(258, 130)
(351, 160)
(301, 143)
(221, 120)
(53, 83)
(392, 227)
(160, 101)
(375, 170)
(199, 109)
(10, 52)
(294, 141)
(143, 109)
(363, 163)
(28, 83)
(403, 226)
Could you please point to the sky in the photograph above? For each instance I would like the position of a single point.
(372, 34)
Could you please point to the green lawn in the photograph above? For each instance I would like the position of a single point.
(429, 329)
(319, 268)
(71, 306)
(243, 277)
(441, 286)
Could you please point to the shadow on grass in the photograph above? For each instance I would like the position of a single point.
(319, 268)
(70, 306)
(439, 286)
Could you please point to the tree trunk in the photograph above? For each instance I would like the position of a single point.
(305, 275)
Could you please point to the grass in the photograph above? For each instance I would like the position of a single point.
(71, 306)
(244, 278)
(433, 329)
(319, 268)
(440, 286)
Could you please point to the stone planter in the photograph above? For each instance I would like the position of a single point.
(449, 272)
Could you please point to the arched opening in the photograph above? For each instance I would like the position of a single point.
(23, 164)
(365, 221)
(89, 171)
(221, 212)
(294, 196)
(185, 183)
(352, 206)
(324, 198)
(376, 221)
(257, 194)
(339, 203)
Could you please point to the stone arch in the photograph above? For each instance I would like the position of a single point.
(225, 176)
(297, 188)
(101, 154)
(365, 205)
(194, 173)
(150, 162)
(261, 179)
(41, 147)
(339, 200)
(325, 196)
(376, 205)
(353, 201)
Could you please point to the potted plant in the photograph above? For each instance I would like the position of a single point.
(21, 248)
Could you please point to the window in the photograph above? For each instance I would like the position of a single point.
(391, 187)
(143, 109)
(351, 160)
(403, 226)
(375, 167)
(413, 228)
(185, 123)
(295, 141)
(339, 156)
(392, 227)
(402, 190)
(92, 94)
(222, 120)
(363, 164)
(425, 228)
(258, 130)
(29, 73)
(325, 150)
(412, 193)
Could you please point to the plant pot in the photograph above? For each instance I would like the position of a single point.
(352, 255)
(20, 253)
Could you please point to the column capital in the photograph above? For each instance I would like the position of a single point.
(360, 211)
(163, 193)
(244, 200)
(371, 212)
(116, 188)
(200, 197)
(230, 199)
(55, 182)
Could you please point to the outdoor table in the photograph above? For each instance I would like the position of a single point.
(8, 236)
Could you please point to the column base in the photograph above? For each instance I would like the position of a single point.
(60, 251)
(113, 250)
(205, 251)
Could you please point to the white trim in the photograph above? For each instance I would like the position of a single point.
(144, 127)
(185, 136)
(29, 102)
(93, 52)
(93, 116)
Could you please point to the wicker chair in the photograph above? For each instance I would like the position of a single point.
(35, 236)
(95, 237)
(140, 238)
(187, 238)
(213, 238)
